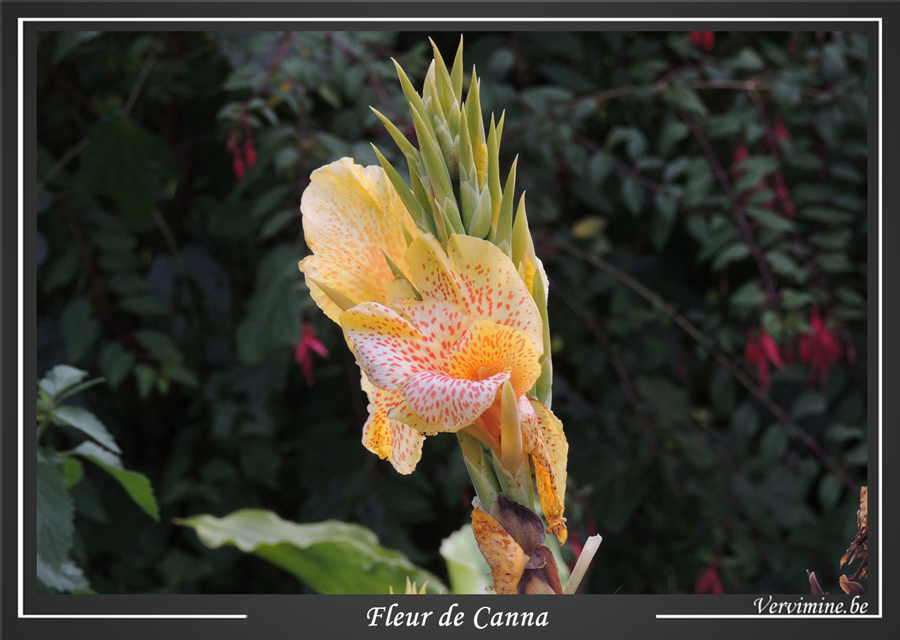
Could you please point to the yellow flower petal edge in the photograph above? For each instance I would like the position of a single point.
(503, 554)
(352, 217)
(544, 439)
(387, 438)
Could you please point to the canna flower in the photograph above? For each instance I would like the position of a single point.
(440, 297)
(451, 343)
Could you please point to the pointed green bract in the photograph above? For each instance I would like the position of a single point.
(456, 73)
(505, 221)
(408, 197)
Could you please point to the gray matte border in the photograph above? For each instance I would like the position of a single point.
(346, 614)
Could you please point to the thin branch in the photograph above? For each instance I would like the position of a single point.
(139, 84)
(730, 367)
(737, 208)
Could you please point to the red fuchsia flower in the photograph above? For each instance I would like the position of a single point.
(761, 352)
(703, 40)
(819, 348)
(709, 581)
(250, 152)
(302, 352)
(780, 131)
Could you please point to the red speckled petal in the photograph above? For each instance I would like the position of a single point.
(351, 214)
(489, 348)
(431, 271)
(442, 324)
(387, 347)
(491, 287)
(452, 402)
(389, 439)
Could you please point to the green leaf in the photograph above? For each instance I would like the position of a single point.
(830, 489)
(116, 363)
(159, 345)
(73, 470)
(633, 194)
(466, 567)
(749, 294)
(146, 378)
(770, 219)
(681, 96)
(331, 556)
(273, 318)
(834, 262)
(136, 484)
(79, 329)
(128, 164)
(733, 253)
(60, 378)
(67, 41)
(774, 444)
(55, 528)
(809, 404)
(87, 423)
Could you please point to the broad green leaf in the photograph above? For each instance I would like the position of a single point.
(331, 556)
(681, 96)
(115, 362)
(136, 484)
(830, 489)
(60, 378)
(87, 423)
(55, 513)
(67, 41)
(273, 318)
(79, 329)
(468, 571)
(734, 253)
(809, 404)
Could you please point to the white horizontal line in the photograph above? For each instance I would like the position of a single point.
(444, 19)
(131, 616)
(701, 616)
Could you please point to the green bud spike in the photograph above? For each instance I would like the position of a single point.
(480, 226)
(339, 299)
(442, 80)
(476, 128)
(543, 388)
(456, 73)
(450, 211)
(467, 171)
(478, 463)
(406, 147)
(413, 98)
(454, 115)
(522, 244)
(444, 229)
(418, 181)
(407, 235)
(469, 199)
(409, 199)
(431, 98)
(435, 166)
(493, 175)
(505, 220)
(451, 155)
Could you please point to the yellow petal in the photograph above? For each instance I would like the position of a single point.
(431, 271)
(491, 287)
(543, 437)
(389, 439)
(352, 217)
(489, 348)
(504, 556)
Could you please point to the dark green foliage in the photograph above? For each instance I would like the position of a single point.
(167, 262)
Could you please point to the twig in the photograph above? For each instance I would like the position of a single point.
(139, 84)
(726, 363)
(737, 208)
(772, 142)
